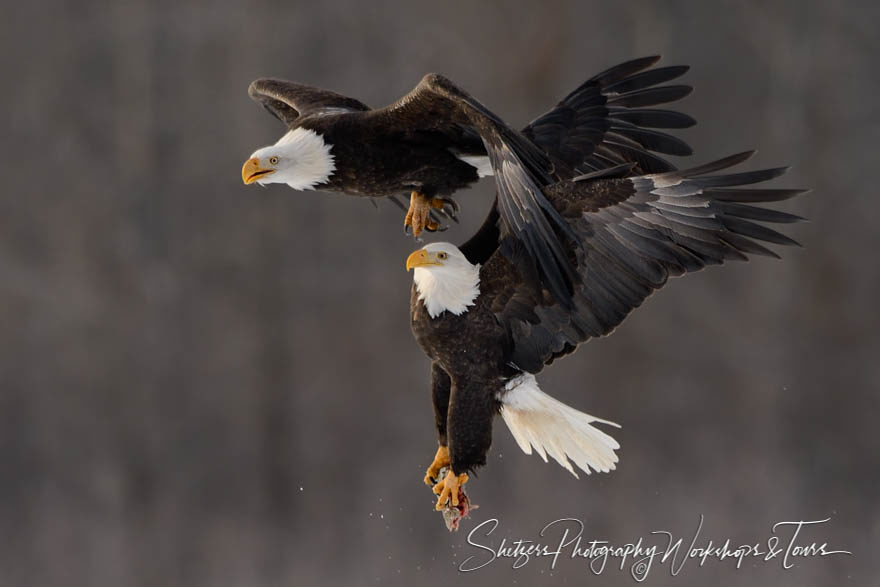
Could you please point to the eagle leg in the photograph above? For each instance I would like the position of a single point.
(441, 459)
(418, 217)
(448, 489)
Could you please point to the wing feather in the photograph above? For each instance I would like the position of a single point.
(584, 131)
(288, 101)
(635, 233)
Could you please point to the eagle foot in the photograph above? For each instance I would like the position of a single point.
(453, 515)
(447, 207)
(419, 216)
(441, 459)
(449, 488)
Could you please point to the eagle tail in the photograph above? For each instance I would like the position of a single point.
(539, 421)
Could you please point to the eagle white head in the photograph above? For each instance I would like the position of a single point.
(445, 279)
(301, 159)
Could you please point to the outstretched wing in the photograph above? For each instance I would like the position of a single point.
(635, 233)
(288, 101)
(606, 123)
(608, 120)
(521, 171)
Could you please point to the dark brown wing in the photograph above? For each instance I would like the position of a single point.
(607, 120)
(521, 170)
(288, 101)
(605, 123)
(635, 233)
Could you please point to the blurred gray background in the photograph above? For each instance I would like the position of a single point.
(206, 383)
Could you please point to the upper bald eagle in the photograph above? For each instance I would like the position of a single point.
(438, 139)
(488, 328)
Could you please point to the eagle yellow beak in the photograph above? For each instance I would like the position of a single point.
(421, 258)
(251, 171)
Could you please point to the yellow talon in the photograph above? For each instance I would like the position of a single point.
(418, 215)
(441, 459)
(448, 488)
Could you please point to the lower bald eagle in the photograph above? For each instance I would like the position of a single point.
(488, 326)
(438, 139)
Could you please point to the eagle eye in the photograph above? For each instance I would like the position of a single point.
(442, 256)
(273, 160)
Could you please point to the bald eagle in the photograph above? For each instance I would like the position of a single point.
(488, 326)
(438, 139)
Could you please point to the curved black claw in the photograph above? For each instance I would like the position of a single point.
(436, 215)
(450, 209)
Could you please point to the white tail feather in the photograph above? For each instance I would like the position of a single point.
(539, 421)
